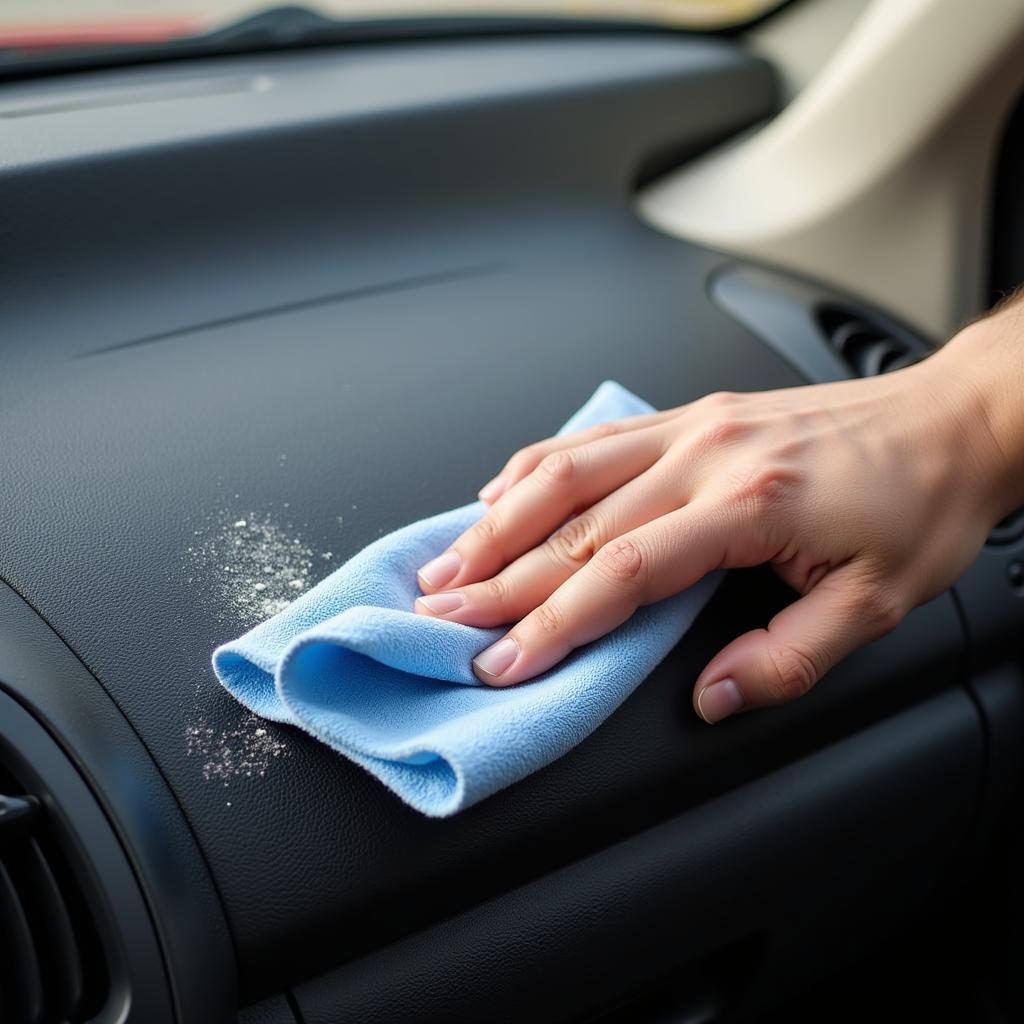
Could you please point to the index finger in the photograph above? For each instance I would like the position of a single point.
(527, 459)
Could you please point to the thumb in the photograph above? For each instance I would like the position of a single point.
(780, 663)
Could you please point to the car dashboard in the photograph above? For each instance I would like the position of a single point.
(258, 311)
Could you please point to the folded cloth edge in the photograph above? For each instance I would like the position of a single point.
(275, 701)
(430, 749)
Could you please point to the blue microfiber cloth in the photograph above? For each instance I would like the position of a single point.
(351, 663)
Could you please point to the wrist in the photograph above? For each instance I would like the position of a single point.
(981, 370)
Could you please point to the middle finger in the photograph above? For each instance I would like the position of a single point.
(564, 482)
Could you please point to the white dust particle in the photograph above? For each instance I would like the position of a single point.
(246, 751)
(251, 565)
(245, 567)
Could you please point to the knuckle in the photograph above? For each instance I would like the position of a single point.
(549, 619)
(766, 485)
(678, 458)
(577, 541)
(882, 609)
(558, 467)
(609, 429)
(487, 531)
(722, 430)
(496, 590)
(718, 400)
(621, 560)
(792, 672)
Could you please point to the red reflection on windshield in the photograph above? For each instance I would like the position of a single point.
(115, 31)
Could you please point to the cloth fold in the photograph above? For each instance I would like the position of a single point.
(353, 664)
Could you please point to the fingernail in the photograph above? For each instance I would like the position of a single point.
(719, 700)
(439, 604)
(492, 490)
(443, 568)
(497, 658)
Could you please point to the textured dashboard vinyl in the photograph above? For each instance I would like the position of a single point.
(320, 313)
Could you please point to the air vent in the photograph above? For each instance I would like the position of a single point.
(866, 348)
(1008, 530)
(52, 968)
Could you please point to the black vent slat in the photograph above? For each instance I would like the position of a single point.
(54, 935)
(867, 348)
(53, 958)
(21, 986)
(51, 966)
(15, 815)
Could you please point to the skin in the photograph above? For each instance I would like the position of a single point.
(868, 497)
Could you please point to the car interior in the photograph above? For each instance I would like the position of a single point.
(258, 282)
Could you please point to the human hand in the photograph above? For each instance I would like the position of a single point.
(868, 497)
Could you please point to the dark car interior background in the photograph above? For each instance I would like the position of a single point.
(277, 288)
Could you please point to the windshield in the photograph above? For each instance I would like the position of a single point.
(30, 28)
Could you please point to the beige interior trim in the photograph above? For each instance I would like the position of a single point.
(802, 37)
(877, 175)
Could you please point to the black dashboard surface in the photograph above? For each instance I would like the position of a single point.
(306, 329)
